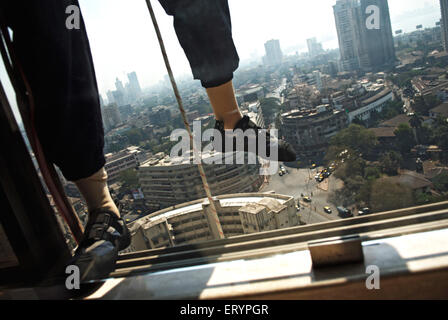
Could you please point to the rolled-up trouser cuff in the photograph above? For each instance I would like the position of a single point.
(216, 83)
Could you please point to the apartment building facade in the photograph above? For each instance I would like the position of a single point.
(190, 223)
(168, 182)
(309, 131)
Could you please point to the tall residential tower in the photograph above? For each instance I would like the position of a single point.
(274, 55)
(365, 34)
(444, 23)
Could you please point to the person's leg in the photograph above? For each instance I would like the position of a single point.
(225, 106)
(96, 192)
(58, 65)
(204, 30)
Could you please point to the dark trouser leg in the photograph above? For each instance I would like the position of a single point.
(204, 30)
(58, 66)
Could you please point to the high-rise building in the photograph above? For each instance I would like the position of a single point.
(378, 41)
(444, 23)
(119, 85)
(119, 97)
(110, 97)
(134, 84)
(318, 79)
(364, 43)
(111, 116)
(347, 25)
(274, 55)
(314, 47)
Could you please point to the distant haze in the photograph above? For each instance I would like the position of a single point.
(123, 40)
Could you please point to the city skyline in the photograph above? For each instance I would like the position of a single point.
(115, 53)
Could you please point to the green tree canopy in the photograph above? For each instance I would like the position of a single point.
(270, 106)
(356, 138)
(387, 195)
(390, 163)
(405, 138)
(129, 178)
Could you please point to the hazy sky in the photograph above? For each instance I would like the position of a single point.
(123, 40)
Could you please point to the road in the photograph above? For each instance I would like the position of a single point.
(276, 93)
(301, 181)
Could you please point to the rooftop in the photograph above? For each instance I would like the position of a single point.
(396, 121)
(441, 109)
(383, 132)
(411, 179)
(188, 159)
(235, 200)
(377, 96)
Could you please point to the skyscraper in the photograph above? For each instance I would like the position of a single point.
(134, 83)
(365, 34)
(314, 47)
(444, 23)
(110, 97)
(111, 116)
(133, 87)
(119, 85)
(347, 25)
(274, 55)
(378, 41)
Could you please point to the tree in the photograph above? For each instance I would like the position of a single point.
(356, 138)
(390, 163)
(354, 166)
(405, 138)
(372, 173)
(422, 105)
(129, 178)
(135, 136)
(416, 123)
(270, 106)
(387, 195)
(441, 182)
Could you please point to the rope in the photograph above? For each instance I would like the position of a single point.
(184, 117)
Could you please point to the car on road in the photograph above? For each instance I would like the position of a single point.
(327, 209)
(320, 178)
(364, 211)
(344, 212)
(283, 169)
(307, 199)
(313, 166)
